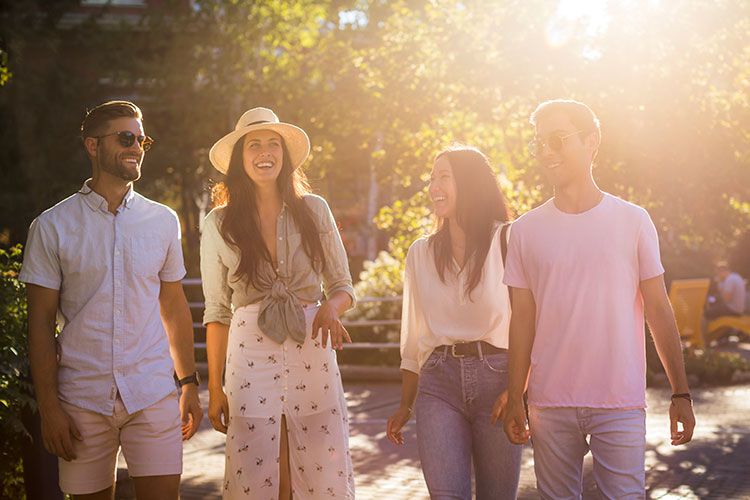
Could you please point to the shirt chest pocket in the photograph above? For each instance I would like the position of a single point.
(147, 255)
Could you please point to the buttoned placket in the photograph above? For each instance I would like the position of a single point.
(281, 250)
(118, 299)
(281, 255)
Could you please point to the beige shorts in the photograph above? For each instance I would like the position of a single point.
(151, 442)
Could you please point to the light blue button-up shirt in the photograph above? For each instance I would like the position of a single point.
(108, 269)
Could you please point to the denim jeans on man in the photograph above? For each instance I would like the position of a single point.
(453, 410)
(616, 438)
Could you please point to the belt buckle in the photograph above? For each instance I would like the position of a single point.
(453, 350)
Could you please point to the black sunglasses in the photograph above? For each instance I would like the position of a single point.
(555, 143)
(127, 138)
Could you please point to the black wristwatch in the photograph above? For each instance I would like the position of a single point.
(190, 379)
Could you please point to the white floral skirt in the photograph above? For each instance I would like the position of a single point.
(265, 380)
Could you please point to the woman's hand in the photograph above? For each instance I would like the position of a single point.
(218, 410)
(327, 320)
(396, 423)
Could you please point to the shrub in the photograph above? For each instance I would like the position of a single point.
(713, 367)
(382, 277)
(15, 388)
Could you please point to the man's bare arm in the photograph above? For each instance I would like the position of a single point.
(522, 334)
(175, 314)
(660, 318)
(57, 426)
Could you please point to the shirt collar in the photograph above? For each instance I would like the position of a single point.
(95, 201)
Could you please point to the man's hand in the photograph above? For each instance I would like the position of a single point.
(681, 412)
(514, 419)
(57, 429)
(191, 412)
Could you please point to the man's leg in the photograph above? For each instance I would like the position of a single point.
(157, 487)
(618, 444)
(91, 476)
(105, 494)
(152, 444)
(559, 447)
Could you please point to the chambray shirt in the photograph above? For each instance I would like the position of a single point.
(279, 291)
(108, 269)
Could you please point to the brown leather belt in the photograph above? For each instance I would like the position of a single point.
(471, 349)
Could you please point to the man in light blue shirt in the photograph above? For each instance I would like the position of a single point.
(105, 266)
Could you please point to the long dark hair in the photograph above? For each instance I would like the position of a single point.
(239, 226)
(479, 205)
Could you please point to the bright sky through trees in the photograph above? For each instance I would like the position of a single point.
(571, 15)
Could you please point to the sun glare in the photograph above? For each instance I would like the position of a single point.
(591, 16)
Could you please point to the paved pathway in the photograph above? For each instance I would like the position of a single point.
(716, 465)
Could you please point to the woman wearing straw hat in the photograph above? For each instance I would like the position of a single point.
(265, 250)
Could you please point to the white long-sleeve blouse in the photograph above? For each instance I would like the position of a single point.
(436, 313)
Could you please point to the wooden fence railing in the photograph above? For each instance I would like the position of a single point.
(195, 305)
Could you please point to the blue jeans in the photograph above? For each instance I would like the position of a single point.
(453, 410)
(616, 438)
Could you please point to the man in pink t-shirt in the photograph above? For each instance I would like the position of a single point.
(583, 267)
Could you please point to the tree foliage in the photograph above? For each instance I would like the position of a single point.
(15, 388)
(381, 86)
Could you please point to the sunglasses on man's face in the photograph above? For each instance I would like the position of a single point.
(555, 143)
(127, 139)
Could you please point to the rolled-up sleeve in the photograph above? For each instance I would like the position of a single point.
(336, 275)
(214, 274)
(412, 318)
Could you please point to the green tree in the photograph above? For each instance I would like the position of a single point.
(15, 388)
(4, 73)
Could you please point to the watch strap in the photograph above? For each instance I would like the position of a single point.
(190, 379)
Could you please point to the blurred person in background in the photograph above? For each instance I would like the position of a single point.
(726, 296)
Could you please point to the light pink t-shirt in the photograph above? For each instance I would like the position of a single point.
(584, 271)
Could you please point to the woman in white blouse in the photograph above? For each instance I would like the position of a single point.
(454, 335)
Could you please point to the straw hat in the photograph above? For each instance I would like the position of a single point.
(296, 140)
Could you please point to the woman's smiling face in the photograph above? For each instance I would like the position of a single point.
(442, 189)
(262, 156)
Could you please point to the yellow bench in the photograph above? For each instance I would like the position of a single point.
(688, 298)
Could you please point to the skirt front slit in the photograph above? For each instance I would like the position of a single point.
(265, 380)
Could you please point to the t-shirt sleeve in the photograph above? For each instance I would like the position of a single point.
(515, 271)
(174, 265)
(41, 260)
(649, 259)
(412, 317)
